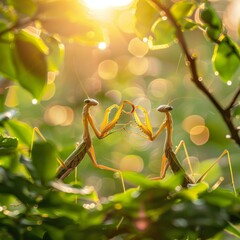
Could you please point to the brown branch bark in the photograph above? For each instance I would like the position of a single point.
(225, 113)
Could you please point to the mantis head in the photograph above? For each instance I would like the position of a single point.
(164, 108)
(91, 102)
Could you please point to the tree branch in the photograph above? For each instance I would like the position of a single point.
(225, 113)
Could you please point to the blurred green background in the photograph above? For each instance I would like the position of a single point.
(125, 68)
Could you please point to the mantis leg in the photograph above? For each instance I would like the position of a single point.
(164, 166)
(147, 127)
(91, 154)
(225, 152)
(106, 126)
(36, 130)
(182, 143)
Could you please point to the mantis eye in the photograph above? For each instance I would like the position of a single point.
(164, 108)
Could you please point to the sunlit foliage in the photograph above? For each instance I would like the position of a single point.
(56, 53)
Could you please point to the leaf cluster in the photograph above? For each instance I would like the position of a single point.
(36, 206)
(162, 20)
(31, 36)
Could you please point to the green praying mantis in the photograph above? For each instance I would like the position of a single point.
(169, 157)
(86, 147)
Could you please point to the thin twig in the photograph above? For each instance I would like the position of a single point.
(235, 97)
(225, 113)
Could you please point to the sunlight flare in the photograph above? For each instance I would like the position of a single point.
(103, 4)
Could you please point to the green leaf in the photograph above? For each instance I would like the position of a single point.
(145, 16)
(8, 145)
(56, 52)
(29, 166)
(163, 34)
(210, 17)
(7, 66)
(236, 110)
(233, 230)
(226, 58)
(193, 191)
(20, 130)
(212, 22)
(17, 186)
(31, 63)
(189, 24)
(8, 17)
(182, 9)
(44, 157)
(220, 197)
(7, 142)
(138, 179)
(26, 7)
(213, 33)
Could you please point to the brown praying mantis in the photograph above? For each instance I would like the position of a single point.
(86, 146)
(169, 157)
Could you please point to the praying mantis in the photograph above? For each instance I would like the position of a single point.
(86, 146)
(169, 157)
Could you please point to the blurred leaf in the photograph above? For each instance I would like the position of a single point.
(44, 158)
(8, 145)
(236, 110)
(182, 9)
(75, 233)
(189, 218)
(138, 179)
(20, 130)
(30, 235)
(212, 22)
(57, 204)
(53, 230)
(29, 166)
(221, 197)
(31, 64)
(7, 66)
(8, 17)
(145, 16)
(194, 190)
(226, 58)
(210, 17)
(233, 230)
(213, 34)
(9, 231)
(163, 34)
(26, 7)
(188, 24)
(56, 52)
(17, 186)
(144, 182)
